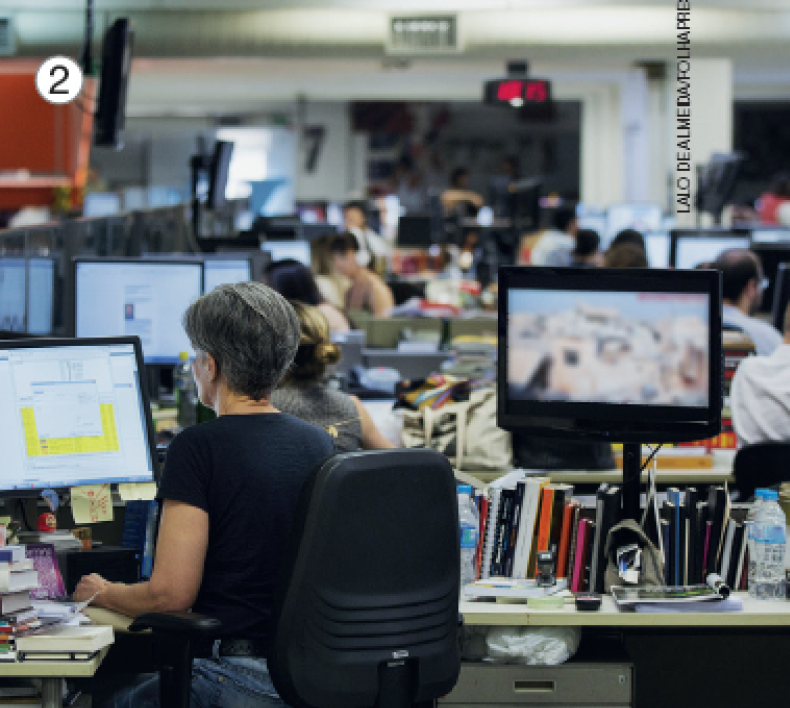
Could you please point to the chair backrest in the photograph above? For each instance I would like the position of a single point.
(761, 465)
(366, 612)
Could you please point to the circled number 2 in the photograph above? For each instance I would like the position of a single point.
(55, 91)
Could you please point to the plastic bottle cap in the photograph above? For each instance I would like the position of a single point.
(771, 495)
(465, 489)
(760, 493)
(183, 356)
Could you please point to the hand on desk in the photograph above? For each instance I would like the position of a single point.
(90, 586)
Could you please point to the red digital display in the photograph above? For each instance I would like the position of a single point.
(518, 92)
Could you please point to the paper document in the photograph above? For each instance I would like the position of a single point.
(140, 491)
(92, 504)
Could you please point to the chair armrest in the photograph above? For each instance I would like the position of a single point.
(180, 623)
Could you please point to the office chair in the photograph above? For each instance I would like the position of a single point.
(366, 610)
(761, 465)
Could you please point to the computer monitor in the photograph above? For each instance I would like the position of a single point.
(219, 170)
(101, 204)
(770, 234)
(40, 295)
(137, 297)
(619, 355)
(657, 244)
(642, 217)
(781, 296)
(690, 248)
(116, 64)
(12, 294)
(219, 271)
(74, 412)
(415, 231)
(282, 250)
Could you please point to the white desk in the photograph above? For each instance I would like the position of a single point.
(756, 613)
(52, 674)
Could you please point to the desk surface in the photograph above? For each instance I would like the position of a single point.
(756, 613)
(52, 669)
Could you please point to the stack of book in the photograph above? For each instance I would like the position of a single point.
(521, 516)
(60, 539)
(17, 578)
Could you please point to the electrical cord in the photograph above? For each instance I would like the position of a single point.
(653, 453)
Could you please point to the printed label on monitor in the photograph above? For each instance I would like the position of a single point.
(608, 347)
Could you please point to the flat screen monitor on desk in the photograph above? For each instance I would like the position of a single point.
(143, 298)
(288, 250)
(620, 355)
(219, 271)
(692, 247)
(40, 295)
(12, 294)
(781, 296)
(415, 231)
(770, 234)
(642, 217)
(73, 412)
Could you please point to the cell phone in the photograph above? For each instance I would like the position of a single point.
(588, 601)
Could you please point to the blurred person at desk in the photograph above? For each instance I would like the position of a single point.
(228, 491)
(625, 255)
(459, 198)
(373, 249)
(368, 292)
(760, 395)
(773, 207)
(587, 251)
(331, 284)
(294, 281)
(304, 393)
(743, 284)
(555, 246)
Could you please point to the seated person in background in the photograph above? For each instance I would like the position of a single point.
(625, 255)
(631, 236)
(742, 292)
(294, 281)
(587, 252)
(555, 246)
(228, 492)
(304, 394)
(368, 291)
(774, 205)
(331, 284)
(760, 395)
(458, 198)
(372, 247)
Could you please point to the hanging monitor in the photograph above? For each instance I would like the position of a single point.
(116, 65)
(620, 355)
(74, 412)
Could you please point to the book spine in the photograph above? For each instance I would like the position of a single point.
(518, 505)
(544, 529)
(507, 523)
(578, 562)
(498, 533)
(574, 536)
(565, 539)
(706, 553)
(665, 535)
(481, 534)
(588, 553)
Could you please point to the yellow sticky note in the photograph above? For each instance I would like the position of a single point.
(137, 491)
(90, 505)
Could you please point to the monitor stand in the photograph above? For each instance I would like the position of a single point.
(632, 478)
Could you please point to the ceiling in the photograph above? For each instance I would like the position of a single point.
(205, 56)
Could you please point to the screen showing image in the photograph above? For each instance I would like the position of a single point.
(642, 217)
(657, 245)
(282, 250)
(693, 250)
(145, 299)
(608, 347)
(12, 294)
(40, 295)
(72, 415)
(224, 271)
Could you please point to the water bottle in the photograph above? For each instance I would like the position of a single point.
(769, 543)
(759, 498)
(185, 392)
(467, 516)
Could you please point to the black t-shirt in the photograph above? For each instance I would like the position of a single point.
(246, 472)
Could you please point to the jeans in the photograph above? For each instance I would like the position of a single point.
(224, 682)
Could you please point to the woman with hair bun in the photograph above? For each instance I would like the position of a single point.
(304, 394)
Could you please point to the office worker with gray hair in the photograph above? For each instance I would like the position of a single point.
(228, 492)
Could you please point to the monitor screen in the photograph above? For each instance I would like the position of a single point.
(12, 294)
(657, 244)
(615, 352)
(101, 204)
(283, 250)
(137, 298)
(642, 217)
(221, 271)
(781, 296)
(690, 250)
(40, 295)
(73, 412)
(768, 234)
